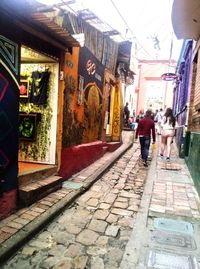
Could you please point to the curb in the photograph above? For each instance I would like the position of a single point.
(138, 236)
(10, 246)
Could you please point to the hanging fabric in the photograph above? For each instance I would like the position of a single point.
(39, 87)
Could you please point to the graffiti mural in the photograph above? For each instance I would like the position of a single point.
(9, 54)
(9, 102)
(92, 72)
(72, 131)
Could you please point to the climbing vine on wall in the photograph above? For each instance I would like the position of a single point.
(37, 149)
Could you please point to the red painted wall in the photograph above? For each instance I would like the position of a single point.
(76, 158)
(8, 202)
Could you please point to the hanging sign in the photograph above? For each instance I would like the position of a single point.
(169, 76)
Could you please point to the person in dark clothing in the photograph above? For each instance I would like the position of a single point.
(126, 113)
(146, 128)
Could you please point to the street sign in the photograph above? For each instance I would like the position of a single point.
(169, 76)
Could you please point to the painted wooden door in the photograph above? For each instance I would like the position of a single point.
(9, 106)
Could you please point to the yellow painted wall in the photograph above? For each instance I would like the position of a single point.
(71, 73)
(106, 106)
(92, 113)
(81, 121)
(116, 122)
(85, 123)
(73, 113)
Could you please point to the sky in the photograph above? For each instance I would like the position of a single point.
(146, 23)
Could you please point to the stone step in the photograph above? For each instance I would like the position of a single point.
(112, 146)
(36, 190)
(105, 149)
(32, 176)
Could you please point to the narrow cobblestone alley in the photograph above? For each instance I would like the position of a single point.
(100, 134)
(94, 231)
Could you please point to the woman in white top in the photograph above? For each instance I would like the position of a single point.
(168, 132)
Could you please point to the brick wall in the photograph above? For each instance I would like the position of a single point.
(195, 124)
(192, 93)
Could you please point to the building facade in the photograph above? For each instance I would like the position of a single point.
(152, 91)
(30, 63)
(188, 28)
(181, 97)
(60, 103)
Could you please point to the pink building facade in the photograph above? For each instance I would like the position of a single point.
(153, 92)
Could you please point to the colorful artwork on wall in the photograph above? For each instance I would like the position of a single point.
(27, 126)
(9, 107)
(91, 79)
(80, 90)
(90, 69)
(24, 88)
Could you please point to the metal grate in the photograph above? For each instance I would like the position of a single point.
(72, 185)
(173, 225)
(173, 239)
(166, 260)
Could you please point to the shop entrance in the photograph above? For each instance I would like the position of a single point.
(37, 111)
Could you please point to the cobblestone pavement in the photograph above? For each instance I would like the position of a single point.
(166, 233)
(26, 222)
(94, 231)
(173, 191)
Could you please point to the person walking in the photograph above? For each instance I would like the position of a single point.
(133, 115)
(126, 113)
(140, 115)
(131, 123)
(168, 132)
(158, 119)
(145, 129)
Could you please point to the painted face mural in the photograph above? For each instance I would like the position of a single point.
(92, 73)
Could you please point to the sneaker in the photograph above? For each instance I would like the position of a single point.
(161, 156)
(145, 163)
(149, 159)
(167, 159)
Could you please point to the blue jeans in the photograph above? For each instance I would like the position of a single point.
(145, 144)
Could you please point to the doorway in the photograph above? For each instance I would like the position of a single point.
(38, 105)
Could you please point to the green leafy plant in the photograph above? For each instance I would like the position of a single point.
(37, 150)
